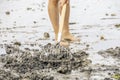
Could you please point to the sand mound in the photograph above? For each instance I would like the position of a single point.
(28, 64)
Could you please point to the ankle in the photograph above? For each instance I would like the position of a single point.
(66, 33)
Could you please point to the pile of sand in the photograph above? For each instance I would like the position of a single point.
(30, 64)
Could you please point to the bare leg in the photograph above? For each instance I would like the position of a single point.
(53, 11)
(66, 33)
(54, 15)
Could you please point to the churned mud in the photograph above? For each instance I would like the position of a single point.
(113, 52)
(50, 61)
(28, 50)
(29, 64)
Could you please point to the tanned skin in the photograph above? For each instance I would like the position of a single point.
(54, 10)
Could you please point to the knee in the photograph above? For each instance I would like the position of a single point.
(53, 3)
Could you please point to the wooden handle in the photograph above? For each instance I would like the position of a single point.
(62, 21)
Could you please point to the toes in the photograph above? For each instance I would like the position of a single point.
(77, 39)
(64, 43)
(72, 39)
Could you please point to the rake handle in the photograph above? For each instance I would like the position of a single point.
(62, 21)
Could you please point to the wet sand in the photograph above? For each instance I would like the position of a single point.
(49, 62)
(25, 31)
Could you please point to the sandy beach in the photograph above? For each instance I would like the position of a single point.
(96, 57)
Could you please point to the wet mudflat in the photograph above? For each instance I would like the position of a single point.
(50, 62)
(32, 64)
(28, 50)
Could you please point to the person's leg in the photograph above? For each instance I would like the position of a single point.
(54, 15)
(66, 33)
(53, 11)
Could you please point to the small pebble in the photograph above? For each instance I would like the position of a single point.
(7, 13)
(46, 35)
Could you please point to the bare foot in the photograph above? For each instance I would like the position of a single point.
(70, 37)
(64, 43)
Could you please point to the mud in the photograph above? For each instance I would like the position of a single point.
(50, 61)
(13, 75)
(46, 35)
(113, 52)
(117, 25)
(29, 64)
(29, 23)
(7, 13)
